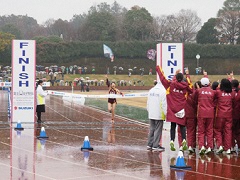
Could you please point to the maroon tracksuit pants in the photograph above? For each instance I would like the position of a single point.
(205, 129)
(191, 125)
(236, 132)
(223, 132)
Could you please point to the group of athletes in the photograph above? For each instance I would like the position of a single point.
(207, 114)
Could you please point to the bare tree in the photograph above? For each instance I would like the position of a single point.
(229, 22)
(189, 24)
(173, 28)
(160, 28)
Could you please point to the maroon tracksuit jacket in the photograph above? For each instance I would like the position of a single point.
(205, 112)
(223, 122)
(236, 119)
(191, 119)
(176, 97)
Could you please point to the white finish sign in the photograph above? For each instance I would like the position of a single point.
(170, 56)
(23, 80)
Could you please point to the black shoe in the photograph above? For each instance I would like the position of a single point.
(149, 148)
(159, 148)
(162, 147)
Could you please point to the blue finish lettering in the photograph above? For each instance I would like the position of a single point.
(21, 83)
(23, 76)
(172, 63)
(24, 61)
(171, 47)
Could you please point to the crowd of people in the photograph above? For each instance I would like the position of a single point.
(206, 113)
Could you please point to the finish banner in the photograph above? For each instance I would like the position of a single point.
(170, 56)
(23, 80)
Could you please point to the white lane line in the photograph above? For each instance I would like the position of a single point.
(27, 171)
(73, 163)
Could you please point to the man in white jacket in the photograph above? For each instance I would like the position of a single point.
(156, 107)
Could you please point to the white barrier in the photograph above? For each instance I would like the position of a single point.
(132, 95)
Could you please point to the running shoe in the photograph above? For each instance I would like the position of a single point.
(184, 145)
(149, 148)
(208, 150)
(202, 150)
(159, 148)
(172, 146)
(220, 150)
(228, 151)
(190, 149)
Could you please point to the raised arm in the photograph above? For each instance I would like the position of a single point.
(107, 82)
(162, 78)
(190, 85)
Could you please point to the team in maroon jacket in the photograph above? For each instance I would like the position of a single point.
(207, 113)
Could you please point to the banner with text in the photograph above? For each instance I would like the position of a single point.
(170, 56)
(23, 80)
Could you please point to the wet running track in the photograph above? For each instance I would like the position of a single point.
(119, 149)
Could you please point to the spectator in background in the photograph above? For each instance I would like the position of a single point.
(93, 70)
(150, 71)
(156, 107)
(82, 86)
(87, 88)
(230, 76)
(67, 69)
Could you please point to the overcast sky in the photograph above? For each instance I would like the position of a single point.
(42, 10)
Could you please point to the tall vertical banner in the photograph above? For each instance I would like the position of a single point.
(170, 56)
(23, 80)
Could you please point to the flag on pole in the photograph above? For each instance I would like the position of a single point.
(151, 54)
(108, 52)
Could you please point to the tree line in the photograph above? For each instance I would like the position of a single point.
(82, 35)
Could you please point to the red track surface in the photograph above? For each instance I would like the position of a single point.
(119, 149)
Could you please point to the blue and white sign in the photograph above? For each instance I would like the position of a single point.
(23, 80)
(170, 57)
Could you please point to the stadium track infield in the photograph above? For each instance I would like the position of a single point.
(119, 149)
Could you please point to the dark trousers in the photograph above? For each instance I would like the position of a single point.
(39, 116)
(173, 131)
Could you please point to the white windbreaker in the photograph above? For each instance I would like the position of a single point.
(156, 102)
(41, 95)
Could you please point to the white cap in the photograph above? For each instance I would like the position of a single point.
(205, 81)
